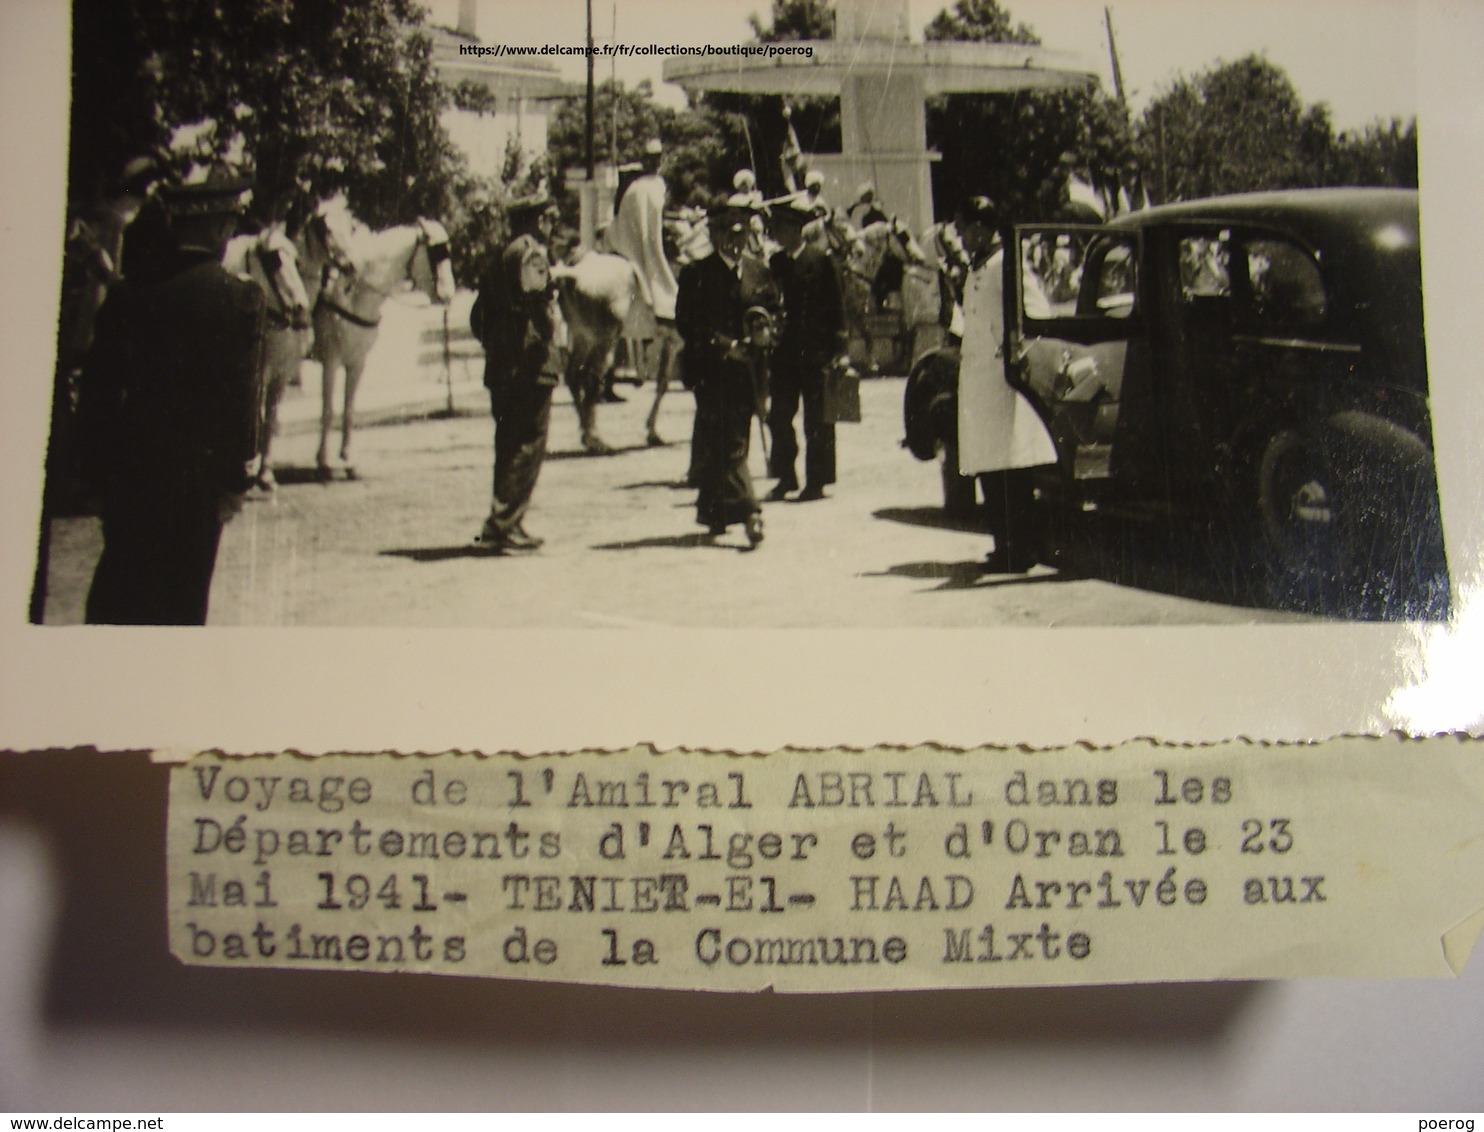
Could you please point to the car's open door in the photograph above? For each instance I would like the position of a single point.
(1072, 314)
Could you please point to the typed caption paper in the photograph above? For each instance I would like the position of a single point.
(838, 870)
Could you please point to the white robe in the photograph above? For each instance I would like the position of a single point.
(637, 234)
(998, 428)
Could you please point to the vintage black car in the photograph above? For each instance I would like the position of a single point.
(1256, 362)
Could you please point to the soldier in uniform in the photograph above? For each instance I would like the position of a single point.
(518, 321)
(168, 411)
(711, 316)
(813, 336)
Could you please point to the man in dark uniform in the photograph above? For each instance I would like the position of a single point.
(168, 412)
(517, 320)
(711, 317)
(813, 336)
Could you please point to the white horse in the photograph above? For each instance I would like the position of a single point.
(596, 294)
(860, 266)
(347, 316)
(270, 260)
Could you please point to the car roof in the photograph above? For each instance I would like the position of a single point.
(1320, 214)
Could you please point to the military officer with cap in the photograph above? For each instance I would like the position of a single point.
(711, 315)
(518, 321)
(168, 411)
(813, 336)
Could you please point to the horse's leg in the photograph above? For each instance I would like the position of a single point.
(330, 364)
(585, 369)
(578, 382)
(353, 370)
(664, 359)
(274, 380)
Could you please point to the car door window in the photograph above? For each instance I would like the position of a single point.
(1286, 288)
(1080, 274)
(1205, 267)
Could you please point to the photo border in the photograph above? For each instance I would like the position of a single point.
(317, 690)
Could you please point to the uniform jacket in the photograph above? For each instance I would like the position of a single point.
(169, 394)
(709, 310)
(813, 315)
(517, 327)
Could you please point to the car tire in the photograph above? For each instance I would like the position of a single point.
(930, 418)
(1306, 525)
(1347, 515)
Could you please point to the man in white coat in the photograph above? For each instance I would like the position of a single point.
(638, 234)
(1002, 438)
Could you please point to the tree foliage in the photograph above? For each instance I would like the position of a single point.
(756, 131)
(978, 21)
(708, 142)
(1025, 145)
(328, 95)
(1242, 127)
(1237, 127)
(698, 142)
(794, 20)
(1384, 153)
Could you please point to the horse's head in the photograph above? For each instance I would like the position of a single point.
(278, 261)
(322, 253)
(688, 235)
(431, 268)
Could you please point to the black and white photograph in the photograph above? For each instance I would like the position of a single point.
(908, 358)
(742, 381)
(864, 314)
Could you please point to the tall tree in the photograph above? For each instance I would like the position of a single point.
(1237, 127)
(329, 95)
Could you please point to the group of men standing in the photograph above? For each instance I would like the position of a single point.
(759, 335)
(168, 399)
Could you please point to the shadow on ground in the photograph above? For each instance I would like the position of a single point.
(671, 485)
(681, 542)
(934, 517)
(440, 553)
(290, 476)
(962, 576)
(585, 454)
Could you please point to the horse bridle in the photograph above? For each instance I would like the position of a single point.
(437, 250)
(271, 263)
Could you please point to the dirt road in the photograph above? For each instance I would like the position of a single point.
(393, 548)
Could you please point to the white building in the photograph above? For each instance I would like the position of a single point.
(523, 92)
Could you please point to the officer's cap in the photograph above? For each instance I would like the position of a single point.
(726, 216)
(981, 210)
(791, 209)
(206, 190)
(527, 206)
